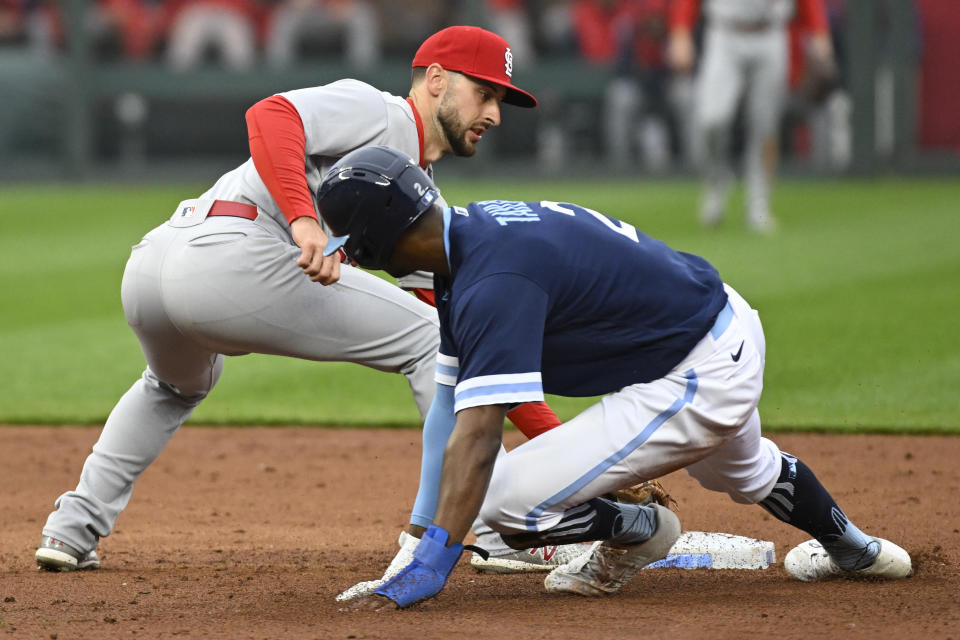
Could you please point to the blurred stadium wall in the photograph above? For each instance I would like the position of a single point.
(81, 102)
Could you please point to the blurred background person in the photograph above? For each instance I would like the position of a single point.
(405, 24)
(630, 37)
(12, 31)
(348, 28)
(745, 57)
(819, 108)
(32, 106)
(30, 25)
(225, 29)
(128, 29)
(515, 21)
(13, 23)
(624, 40)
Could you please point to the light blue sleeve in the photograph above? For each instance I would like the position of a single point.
(436, 431)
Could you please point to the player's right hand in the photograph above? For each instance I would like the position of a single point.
(681, 51)
(311, 239)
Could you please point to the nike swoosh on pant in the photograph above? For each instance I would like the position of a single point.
(736, 356)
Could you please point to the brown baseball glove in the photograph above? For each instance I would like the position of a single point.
(821, 75)
(645, 493)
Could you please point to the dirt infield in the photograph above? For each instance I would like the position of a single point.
(251, 532)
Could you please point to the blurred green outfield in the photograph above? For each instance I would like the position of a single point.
(859, 294)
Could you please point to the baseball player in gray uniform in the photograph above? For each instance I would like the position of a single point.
(240, 269)
(745, 56)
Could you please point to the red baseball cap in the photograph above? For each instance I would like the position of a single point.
(477, 53)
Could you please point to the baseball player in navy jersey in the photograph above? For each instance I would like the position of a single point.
(551, 297)
(745, 56)
(240, 270)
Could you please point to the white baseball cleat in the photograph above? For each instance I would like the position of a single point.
(713, 208)
(713, 202)
(529, 560)
(810, 562)
(56, 555)
(606, 568)
(763, 223)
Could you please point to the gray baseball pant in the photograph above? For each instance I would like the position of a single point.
(230, 286)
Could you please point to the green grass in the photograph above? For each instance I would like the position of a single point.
(859, 294)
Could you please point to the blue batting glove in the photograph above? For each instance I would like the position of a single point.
(426, 575)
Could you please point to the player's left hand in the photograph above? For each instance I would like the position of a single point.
(311, 239)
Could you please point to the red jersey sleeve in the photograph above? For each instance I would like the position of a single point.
(278, 148)
(811, 16)
(684, 14)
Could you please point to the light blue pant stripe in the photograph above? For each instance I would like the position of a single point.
(614, 458)
(722, 322)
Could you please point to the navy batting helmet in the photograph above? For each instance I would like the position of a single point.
(368, 198)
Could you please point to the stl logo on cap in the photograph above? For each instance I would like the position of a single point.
(477, 53)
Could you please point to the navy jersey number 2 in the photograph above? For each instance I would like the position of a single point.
(618, 226)
(527, 276)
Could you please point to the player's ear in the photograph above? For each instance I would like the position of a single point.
(437, 80)
(420, 246)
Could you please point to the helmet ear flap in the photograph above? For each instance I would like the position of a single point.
(372, 195)
(360, 254)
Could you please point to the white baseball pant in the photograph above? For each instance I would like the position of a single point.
(702, 416)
